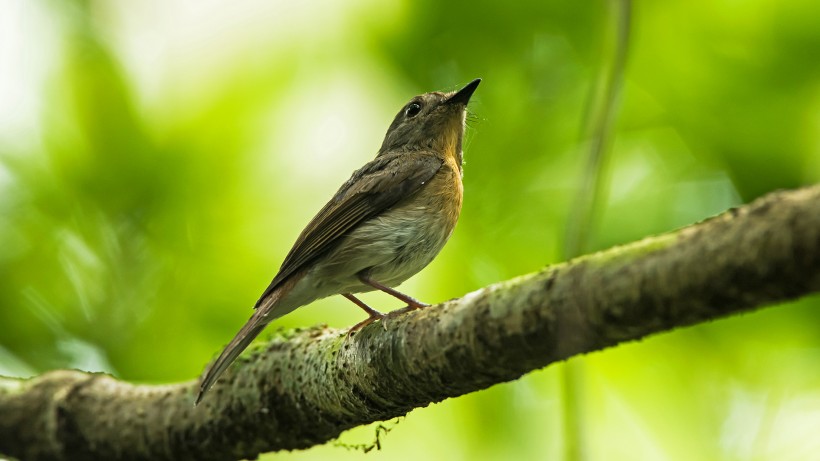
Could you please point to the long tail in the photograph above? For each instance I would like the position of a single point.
(249, 331)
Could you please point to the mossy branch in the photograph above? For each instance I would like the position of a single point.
(306, 389)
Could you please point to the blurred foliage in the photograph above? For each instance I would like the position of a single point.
(157, 160)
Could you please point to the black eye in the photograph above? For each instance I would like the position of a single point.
(412, 110)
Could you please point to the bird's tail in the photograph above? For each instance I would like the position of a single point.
(249, 331)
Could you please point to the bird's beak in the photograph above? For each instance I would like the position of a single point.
(462, 96)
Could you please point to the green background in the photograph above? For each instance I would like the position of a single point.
(158, 159)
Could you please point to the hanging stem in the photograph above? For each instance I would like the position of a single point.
(602, 107)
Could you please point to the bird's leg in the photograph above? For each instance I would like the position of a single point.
(412, 303)
(373, 313)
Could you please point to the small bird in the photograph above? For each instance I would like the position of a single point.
(385, 224)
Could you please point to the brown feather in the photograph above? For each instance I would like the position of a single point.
(372, 189)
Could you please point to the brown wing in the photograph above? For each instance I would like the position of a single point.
(380, 185)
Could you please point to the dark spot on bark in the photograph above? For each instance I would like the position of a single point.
(550, 281)
(761, 208)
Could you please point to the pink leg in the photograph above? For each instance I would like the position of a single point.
(412, 303)
(373, 313)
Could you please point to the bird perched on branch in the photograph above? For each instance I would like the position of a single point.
(385, 224)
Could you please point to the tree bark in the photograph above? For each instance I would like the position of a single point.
(305, 389)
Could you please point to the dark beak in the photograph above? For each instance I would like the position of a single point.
(462, 96)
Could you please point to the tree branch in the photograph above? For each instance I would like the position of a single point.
(306, 389)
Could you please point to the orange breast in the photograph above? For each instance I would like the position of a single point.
(444, 194)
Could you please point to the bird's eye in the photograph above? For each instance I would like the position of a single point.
(412, 110)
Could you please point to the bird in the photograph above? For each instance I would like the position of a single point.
(384, 224)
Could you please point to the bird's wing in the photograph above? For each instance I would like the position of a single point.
(381, 184)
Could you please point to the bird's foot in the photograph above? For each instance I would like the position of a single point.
(366, 322)
(373, 314)
(416, 305)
